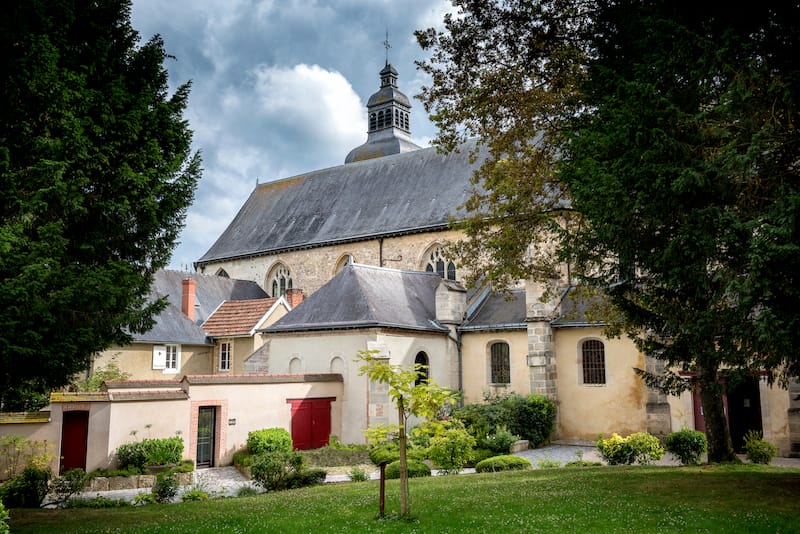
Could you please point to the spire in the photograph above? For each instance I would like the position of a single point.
(389, 113)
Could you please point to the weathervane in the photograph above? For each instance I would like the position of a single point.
(387, 45)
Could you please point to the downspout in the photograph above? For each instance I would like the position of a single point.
(380, 252)
(457, 341)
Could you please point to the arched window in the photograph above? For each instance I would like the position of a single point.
(593, 360)
(440, 265)
(424, 373)
(280, 281)
(405, 120)
(500, 363)
(397, 118)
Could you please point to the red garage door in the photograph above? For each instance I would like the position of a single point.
(311, 422)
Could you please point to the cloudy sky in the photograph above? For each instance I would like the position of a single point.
(279, 87)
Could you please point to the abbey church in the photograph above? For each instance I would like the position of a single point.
(363, 241)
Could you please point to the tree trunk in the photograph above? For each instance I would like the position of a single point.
(720, 448)
(404, 506)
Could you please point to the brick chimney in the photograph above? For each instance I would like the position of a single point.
(188, 297)
(294, 296)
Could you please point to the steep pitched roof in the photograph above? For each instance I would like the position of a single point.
(363, 296)
(172, 325)
(393, 195)
(238, 317)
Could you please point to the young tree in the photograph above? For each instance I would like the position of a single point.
(412, 396)
(96, 175)
(675, 154)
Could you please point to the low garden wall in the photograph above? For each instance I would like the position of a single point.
(132, 482)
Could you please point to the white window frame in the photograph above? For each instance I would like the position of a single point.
(229, 356)
(167, 358)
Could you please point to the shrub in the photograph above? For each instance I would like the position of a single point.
(67, 485)
(758, 450)
(687, 445)
(26, 490)
(17, 453)
(3, 520)
(332, 457)
(477, 455)
(194, 495)
(415, 469)
(531, 417)
(144, 498)
(638, 447)
(96, 502)
(269, 440)
(271, 469)
(246, 491)
(501, 440)
(581, 463)
(163, 451)
(242, 458)
(357, 474)
(506, 462)
(388, 452)
(547, 462)
(305, 477)
(450, 450)
(131, 455)
(165, 488)
(334, 443)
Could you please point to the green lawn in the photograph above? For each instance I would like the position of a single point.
(741, 498)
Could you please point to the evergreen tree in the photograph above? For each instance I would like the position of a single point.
(96, 176)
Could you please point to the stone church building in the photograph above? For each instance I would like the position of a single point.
(364, 242)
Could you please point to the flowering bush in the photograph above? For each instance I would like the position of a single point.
(638, 447)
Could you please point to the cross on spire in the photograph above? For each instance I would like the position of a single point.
(387, 46)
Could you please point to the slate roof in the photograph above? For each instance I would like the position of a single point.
(498, 311)
(172, 325)
(403, 193)
(576, 309)
(238, 317)
(363, 296)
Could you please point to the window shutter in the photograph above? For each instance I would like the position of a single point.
(159, 357)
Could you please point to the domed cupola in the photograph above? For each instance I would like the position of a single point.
(388, 113)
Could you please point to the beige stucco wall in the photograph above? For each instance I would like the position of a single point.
(42, 432)
(136, 359)
(312, 268)
(585, 411)
(326, 352)
(476, 363)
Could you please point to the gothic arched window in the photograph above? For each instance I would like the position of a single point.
(440, 265)
(424, 371)
(280, 280)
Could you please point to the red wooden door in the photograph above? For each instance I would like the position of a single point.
(74, 436)
(311, 422)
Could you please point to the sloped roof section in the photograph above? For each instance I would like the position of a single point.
(498, 311)
(363, 296)
(393, 195)
(172, 325)
(237, 317)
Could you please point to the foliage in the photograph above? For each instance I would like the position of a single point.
(530, 417)
(386, 453)
(194, 495)
(269, 440)
(246, 491)
(110, 371)
(96, 175)
(150, 451)
(17, 452)
(500, 440)
(639, 447)
(335, 444)
(96, 502)
(450, 450)
(758, 450)
(478, 454)
(65, 486)
(271, 470)
(165, 488)
(655, 145)
(416, 469)
(582, 463)
(412, 396)
(357, 474)
(242, 458)
(420, 436)
(26, 490)
(547, 462)
(144, 498)
(3, 519)
(506, 462)
(688, 445)
(313, 476)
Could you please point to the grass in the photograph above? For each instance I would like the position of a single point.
(728, 498)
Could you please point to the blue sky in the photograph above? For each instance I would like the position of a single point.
(279, 87)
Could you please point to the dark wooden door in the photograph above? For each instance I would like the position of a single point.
(74, 439)
(311, 422)
(206, 423)
(744, 411)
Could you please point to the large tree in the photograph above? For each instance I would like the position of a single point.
(677, 155)
(96, 174)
